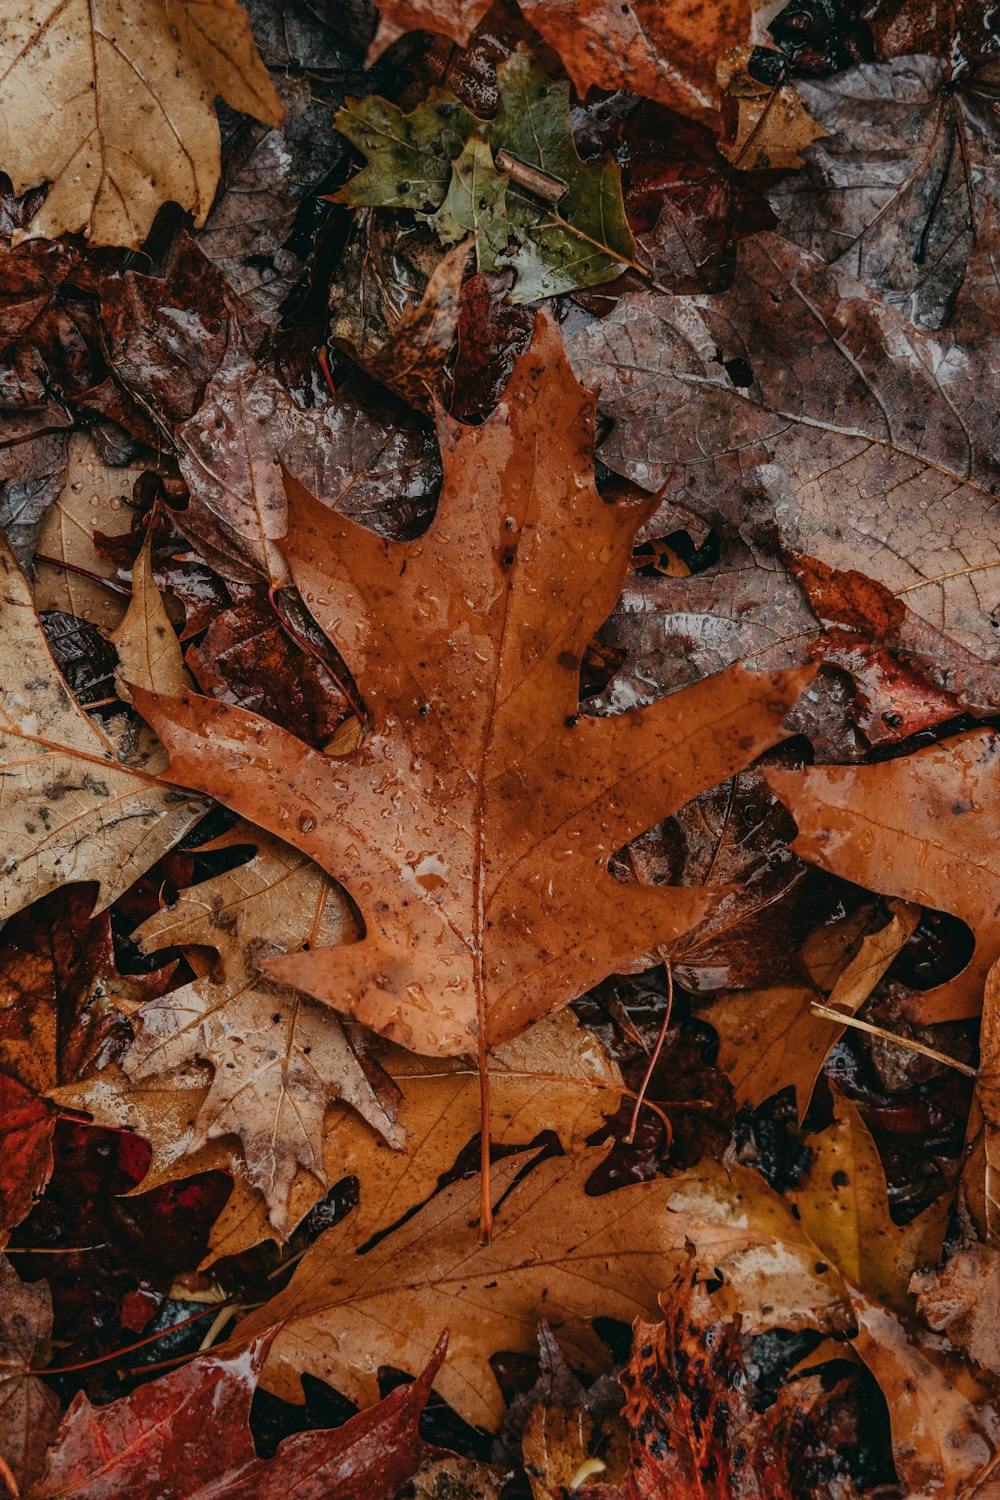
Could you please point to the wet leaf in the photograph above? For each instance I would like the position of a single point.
(29, 1411)
(404, 847)
(114, 108)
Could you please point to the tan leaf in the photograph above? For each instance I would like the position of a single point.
(72, 810)
(962, 1300)
(944, 1425)
(112, 102)
(93, 498)
(772, 125)
(345, 1315)
(770, 1039)
(476, 821)
(843, 1204)
(278, 1058)
(981, 1174)
(149, 652)
(921, 827)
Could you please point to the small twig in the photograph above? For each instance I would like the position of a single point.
(216, 1326)
(541, 184)
(100, 1359)
(68, 567)
(843, 1018)
(9, 1481)
(630, 1138)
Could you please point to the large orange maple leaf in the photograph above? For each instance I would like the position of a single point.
(474, 824)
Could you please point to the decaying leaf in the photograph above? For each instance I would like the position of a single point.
(771, 127)
(442, 162)
(899, 189)
(156, 1444)
(113, 104)
(149, 652)
(457, 825)
(962, 1300)
(694, 1431)
(980, 1177)
(919, 827)
(782, 409)
(74, 809)
(279, 1060)
(945, 1427)
(29, 1411)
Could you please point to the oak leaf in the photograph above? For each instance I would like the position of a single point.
(74, 809)
(555, 1076)
(458, 826)
(113, 104)
(344, 1315)
(279, 1060)
(961, 1299)
(155, 1444)
(922, 828)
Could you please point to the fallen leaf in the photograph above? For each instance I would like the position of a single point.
(115, 108)
(29, 1410)
(843, 1204)
(559, 1427)
(32, 474)
(75, 811)
(979, 1177)
(918, 827)
(782, 406)
(771, 126)
(771, 1039)
(94, 498)
(343, 1316)
(149, 653)
(944, 1424)
(26, 1135)
(667, 54)
(885, 194)
(279, 1060)
(453, 824)
(155, 1444)
(961, 1299)
(688, 1405)
(444, 163)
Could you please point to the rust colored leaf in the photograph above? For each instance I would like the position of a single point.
(29, 1411)
(458, 826)
(156, 1444)
(920, 827)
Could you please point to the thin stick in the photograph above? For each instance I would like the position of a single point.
(776, 88)
(68, 567)
(830, 1013)
(485, 1205)
(8, 1478)
(101, 1359)
(216, 1326)
(629, 1139)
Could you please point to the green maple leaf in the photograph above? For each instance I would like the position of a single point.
(440, 161)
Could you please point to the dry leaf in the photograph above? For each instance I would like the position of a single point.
(921, 827)
(477, 819)
(980, 1177)
(770, 1039)
(29, 1411)
(73, 810)
(279, 1060)
(343, 1316)
(113, 103)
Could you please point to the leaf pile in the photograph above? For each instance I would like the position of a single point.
(498, 743)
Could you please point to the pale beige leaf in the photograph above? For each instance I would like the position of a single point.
(94, 497)
(149, 653)
(278, 1058)
(113, 103)
(962, 1300)
(71, 810)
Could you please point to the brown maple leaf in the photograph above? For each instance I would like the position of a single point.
(29, 1411)
(474, 825)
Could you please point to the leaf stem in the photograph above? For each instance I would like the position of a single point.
(831, 1013)
(630, 1138)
